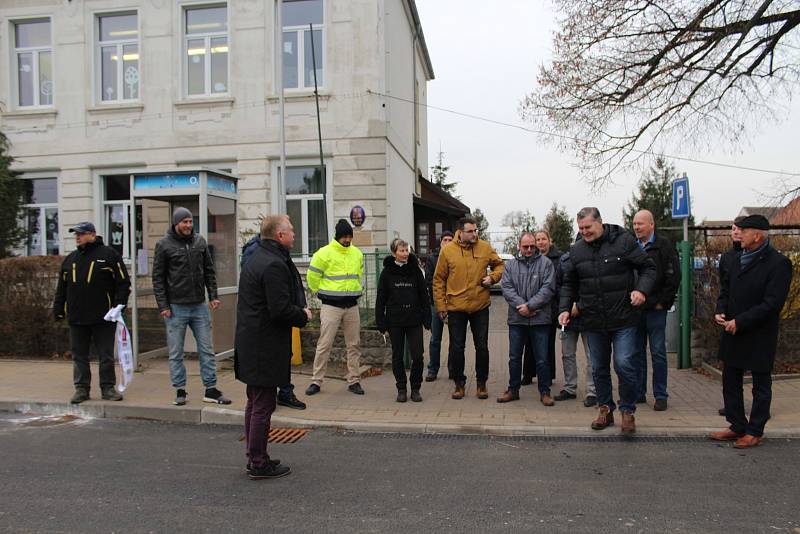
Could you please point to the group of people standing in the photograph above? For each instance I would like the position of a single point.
(612, 290)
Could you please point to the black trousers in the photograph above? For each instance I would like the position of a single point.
(457, 327)
(732, 382)
(529, 359)
(399, 335)
(261, 402)
(81, 338)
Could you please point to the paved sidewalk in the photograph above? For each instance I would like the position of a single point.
(45, 387)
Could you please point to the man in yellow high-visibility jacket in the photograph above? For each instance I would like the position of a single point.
(335, 276)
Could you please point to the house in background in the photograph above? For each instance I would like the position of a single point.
(94, 88)
(435, 211)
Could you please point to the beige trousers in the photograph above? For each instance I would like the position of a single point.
(330, 317)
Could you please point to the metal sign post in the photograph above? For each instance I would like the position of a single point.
(681, 209)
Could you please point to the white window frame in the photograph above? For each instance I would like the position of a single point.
(120, 44)
(279, 198)
(186, 37)
(101, 211)
(42, 216)
(35, 51)
(301, 54)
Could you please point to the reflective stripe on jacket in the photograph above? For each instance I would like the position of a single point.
(336, 271)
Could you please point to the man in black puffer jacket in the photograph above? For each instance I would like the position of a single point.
(609, 280)
(401, 308)
(92, 281)
(183, 270)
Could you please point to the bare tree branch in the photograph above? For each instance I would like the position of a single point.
(631, 75)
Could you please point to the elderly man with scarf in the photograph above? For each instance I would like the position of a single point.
(749, 311)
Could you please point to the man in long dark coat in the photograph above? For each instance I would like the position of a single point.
(749, 308)
(271, 302)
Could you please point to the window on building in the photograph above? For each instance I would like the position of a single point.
(118, 57)
(117, 215)
(298, 61)
(304, 189)
(41, 217)
(206, 46)
(33, 58)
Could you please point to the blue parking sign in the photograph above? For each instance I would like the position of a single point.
(681, 207)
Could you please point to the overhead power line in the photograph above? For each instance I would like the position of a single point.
(569, 138)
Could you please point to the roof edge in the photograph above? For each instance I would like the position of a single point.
(417, 27)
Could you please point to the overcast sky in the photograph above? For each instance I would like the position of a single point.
(485, 58)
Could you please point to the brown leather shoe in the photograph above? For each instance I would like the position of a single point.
(547, 400)
(458, 394)
(481, 392)
(508, 396)
(605, 418)
(747, 442)
(628, 422)
(725, 435)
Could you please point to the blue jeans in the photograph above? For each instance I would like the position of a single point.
(538, 336)
(653, 327)
(624, 344)
(435, 345)
(196, 317)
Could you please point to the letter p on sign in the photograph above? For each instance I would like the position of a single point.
(680, 198)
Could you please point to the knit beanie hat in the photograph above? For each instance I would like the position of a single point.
(180, 214)
(343, 228)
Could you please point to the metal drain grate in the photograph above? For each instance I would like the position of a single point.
(286, 435)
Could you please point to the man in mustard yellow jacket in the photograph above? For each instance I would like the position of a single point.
(461, 293)
(335, 275)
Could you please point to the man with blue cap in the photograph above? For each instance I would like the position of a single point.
(92, 281)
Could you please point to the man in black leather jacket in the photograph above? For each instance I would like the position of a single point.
(183, 270)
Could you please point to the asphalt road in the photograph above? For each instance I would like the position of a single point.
(136, 476)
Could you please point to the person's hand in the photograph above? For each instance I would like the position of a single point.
(637, 298)
(720, 319)
(308, 313)
(563, 318)
(443, 315)
(659, 306)
(166, 313)
(523, 310)
(214, 304)
(730, 326)
(486, 281)
(575, 311)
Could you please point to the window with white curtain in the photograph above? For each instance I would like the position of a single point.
(298, 61)
(33, 62)
(118, 57)
(206, 50)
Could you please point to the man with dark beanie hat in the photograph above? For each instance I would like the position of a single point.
(343, 229)
(749, 311)
(183, 271)
(335, 275)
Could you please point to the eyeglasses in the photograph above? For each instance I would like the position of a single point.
(526, 247)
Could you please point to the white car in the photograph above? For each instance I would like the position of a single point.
(495, 288)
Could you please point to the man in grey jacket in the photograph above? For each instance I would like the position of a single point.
(528, 284)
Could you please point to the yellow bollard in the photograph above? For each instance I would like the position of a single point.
(297, 353)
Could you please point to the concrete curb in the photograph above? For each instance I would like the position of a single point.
(227, 416)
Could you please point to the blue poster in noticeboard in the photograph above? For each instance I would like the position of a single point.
(166, 181)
